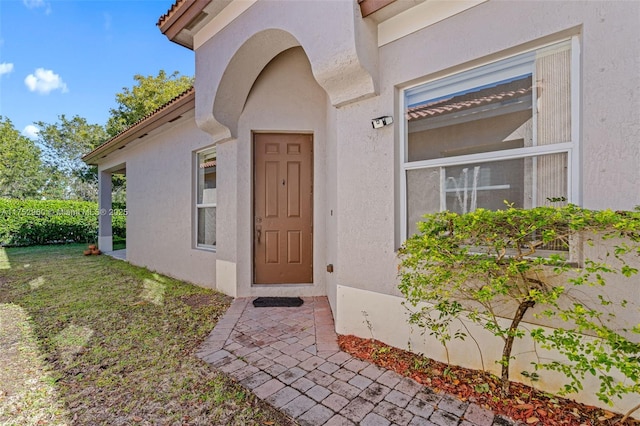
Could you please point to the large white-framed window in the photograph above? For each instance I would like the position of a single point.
(206, 199)
(503, 131)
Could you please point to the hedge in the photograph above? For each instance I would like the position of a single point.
(34, 222)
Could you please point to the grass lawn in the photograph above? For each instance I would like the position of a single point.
(92, 340)
(119, 243)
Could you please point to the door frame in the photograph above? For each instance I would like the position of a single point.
(253, 210)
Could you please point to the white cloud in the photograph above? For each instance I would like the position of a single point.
(34, 4)
(31, 131)
(44, 81)
(5, 68)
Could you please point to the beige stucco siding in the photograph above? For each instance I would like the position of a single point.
(284, 98)
(608, 115)
(160, 190)
(608, 146)
(315, 67)
(610, 49)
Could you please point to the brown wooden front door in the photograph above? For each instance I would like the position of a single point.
(283, 208)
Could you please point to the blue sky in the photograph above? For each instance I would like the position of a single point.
(72, 57)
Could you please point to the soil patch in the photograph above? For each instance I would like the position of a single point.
(524, 403)
(200, 300)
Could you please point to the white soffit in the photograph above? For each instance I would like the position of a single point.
(421, 16)
(221, 20)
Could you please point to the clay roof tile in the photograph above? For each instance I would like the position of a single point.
(175, 6)
(499, 93)
(149, 116)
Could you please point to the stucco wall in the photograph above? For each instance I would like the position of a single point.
(227, 211)
(160, 203)
(479, 350)
(339, 44)
(608, 114)
(247, 81)
(367, 159)
(332, 213)
(284, 98)
(359, 186)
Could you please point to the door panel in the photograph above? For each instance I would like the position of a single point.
(283, 196)
(271, 179)
(294, 246)
(271, 247)
(293, 189)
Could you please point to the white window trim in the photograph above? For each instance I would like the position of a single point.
(573, 172)
(198, 245)
(571, 148)
(198, 206)
(502, 69)
(485, 157)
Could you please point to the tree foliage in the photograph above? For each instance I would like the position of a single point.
(53, 168)
(31, 222)
(493, 267)
(64, 143)
(67, 140)
(148, 94)
(21, 174)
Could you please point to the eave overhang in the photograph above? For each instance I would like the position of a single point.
(186, 17)
(183, 14)
(367, 7)
(168, 113)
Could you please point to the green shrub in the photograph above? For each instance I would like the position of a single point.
(488, 265)
(118, 220)
(34, 222)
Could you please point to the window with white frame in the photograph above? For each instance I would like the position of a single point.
(206, 199)
(504, 131)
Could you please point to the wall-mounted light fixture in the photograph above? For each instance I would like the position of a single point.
(381, 121)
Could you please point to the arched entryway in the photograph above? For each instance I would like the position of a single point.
(276, 82)
(281, 180)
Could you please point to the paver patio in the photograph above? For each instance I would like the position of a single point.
(290, 358)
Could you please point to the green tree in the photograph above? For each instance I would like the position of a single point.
(64, 143)
(21, 173)
(148, 94)
(495, 266)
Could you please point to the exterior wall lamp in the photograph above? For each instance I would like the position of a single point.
(381, 121)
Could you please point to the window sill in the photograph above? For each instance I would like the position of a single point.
(211, 249)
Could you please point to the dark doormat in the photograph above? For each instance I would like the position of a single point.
(273, 302)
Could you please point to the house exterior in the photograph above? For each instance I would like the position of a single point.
(271, 178)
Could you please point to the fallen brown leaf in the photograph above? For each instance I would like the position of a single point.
(608, 415)
(523, 403)
(524, 406)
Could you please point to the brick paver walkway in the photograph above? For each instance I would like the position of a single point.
(290, 358)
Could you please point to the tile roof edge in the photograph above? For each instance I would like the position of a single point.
(178, 18)
(174, 102)
(169, 13)
(480, 97)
